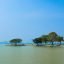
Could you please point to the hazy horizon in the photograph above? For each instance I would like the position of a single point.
(27, 19)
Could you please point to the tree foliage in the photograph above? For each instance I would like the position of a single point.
(51, 37)
(15, 41)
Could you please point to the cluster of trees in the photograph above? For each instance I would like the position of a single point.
(51, 37)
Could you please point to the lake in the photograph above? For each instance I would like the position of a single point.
(31, 55)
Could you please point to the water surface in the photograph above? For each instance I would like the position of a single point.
(31, 55)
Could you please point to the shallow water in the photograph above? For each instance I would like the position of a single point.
(31, 55)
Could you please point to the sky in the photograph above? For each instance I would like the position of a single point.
(28, 19)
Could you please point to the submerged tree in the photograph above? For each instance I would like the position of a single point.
(59, 39)
(37, 41)
(52, 37)
(15, 41)
(45, 38)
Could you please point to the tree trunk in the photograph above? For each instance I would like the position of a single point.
(52, 43)
(45, 42)
(15, 44)
(60, 42)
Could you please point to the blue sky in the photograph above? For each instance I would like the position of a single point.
(28, 19)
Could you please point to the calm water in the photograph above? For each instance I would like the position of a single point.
(31, 55)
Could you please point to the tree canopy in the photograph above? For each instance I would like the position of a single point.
(51, 37)
(15, 41)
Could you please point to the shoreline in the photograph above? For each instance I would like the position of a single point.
(32, 45)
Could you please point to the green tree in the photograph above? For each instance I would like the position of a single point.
(37, 41)
(15, 41)
(52, 37)
(45, 38)
(59, 39)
